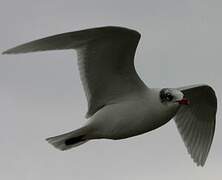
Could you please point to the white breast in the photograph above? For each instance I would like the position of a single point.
(131, 117)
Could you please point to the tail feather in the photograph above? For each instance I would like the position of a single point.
(68, 140)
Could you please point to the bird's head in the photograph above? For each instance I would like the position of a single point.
(168, 95)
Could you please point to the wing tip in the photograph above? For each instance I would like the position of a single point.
(10, 51)
(5, 52)
(198, 163)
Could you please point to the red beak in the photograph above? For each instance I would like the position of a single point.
(184, 101)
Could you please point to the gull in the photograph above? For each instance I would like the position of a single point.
(120, 105)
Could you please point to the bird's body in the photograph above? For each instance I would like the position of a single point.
(120, 105)
(131, 116)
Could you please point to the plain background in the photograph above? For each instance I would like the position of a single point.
(41, 94)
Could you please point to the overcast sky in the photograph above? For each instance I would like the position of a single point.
(41, 94)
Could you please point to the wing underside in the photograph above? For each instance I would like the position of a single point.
(105, 60)
(196, 122)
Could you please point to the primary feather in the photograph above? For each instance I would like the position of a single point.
(196, 122)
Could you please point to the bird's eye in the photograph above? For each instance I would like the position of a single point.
(169, 97)
(165, 95)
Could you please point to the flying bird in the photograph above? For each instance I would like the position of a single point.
(120, 105)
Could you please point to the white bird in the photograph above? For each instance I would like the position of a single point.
(120, 105)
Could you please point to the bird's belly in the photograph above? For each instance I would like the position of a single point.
(118, 121)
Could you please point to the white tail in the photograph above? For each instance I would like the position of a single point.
(68, 140)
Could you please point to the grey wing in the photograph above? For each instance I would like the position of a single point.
(196, 122)
(105, 59)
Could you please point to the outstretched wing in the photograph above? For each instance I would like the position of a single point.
(105, 59)
(196, 122)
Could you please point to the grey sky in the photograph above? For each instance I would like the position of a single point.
(41, 94)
